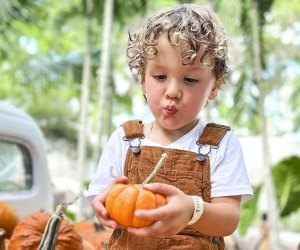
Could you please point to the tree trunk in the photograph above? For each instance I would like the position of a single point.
(103, 72)
(84, 103)
(273, 214)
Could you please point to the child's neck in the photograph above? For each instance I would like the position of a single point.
(165, 137)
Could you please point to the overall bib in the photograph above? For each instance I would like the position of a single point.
(186, 170)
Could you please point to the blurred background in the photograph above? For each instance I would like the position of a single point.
(64, 64)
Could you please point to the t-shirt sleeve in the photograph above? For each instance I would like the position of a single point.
(110, 165)
(229, 175)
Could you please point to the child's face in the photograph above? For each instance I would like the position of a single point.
(175, 92)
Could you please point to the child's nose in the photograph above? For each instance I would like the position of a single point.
(173, 90)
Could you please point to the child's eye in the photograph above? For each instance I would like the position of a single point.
(190, 80)
(160, 77)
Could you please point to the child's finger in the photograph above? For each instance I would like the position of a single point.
(161, 188)
(122, 180)
(153, 214)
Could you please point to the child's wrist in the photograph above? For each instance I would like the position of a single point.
(198, 210)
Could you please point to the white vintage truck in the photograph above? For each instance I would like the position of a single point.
(24, 176)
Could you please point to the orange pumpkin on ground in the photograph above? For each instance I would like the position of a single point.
(122, 200)
(8, 218)
(28, 234)
(93, 233)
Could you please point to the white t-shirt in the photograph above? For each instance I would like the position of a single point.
(227, 167)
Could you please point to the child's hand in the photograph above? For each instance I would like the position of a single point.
(170, 218)
(100, 210)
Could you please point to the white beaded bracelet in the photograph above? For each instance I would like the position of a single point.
(198, 211)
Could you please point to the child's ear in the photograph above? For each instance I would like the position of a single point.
(213, 93)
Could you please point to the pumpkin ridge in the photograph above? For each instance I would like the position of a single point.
(112, 195)
(133, 222)
(129, 195)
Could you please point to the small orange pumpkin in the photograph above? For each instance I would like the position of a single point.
(8, 218)
(122, 200)
(28, 234)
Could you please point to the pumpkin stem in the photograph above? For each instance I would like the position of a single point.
(50, 235)
(2, 239)
(155, 170)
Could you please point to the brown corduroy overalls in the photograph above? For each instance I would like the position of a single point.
(186, 170)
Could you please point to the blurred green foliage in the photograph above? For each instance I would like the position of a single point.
(286, 177)
(286, 174)
(249, 211)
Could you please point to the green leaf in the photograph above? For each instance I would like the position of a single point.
(286, 175)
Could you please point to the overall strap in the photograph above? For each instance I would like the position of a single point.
(212, 134)
(133, 129)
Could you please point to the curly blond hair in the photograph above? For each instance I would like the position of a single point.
(199, 29)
